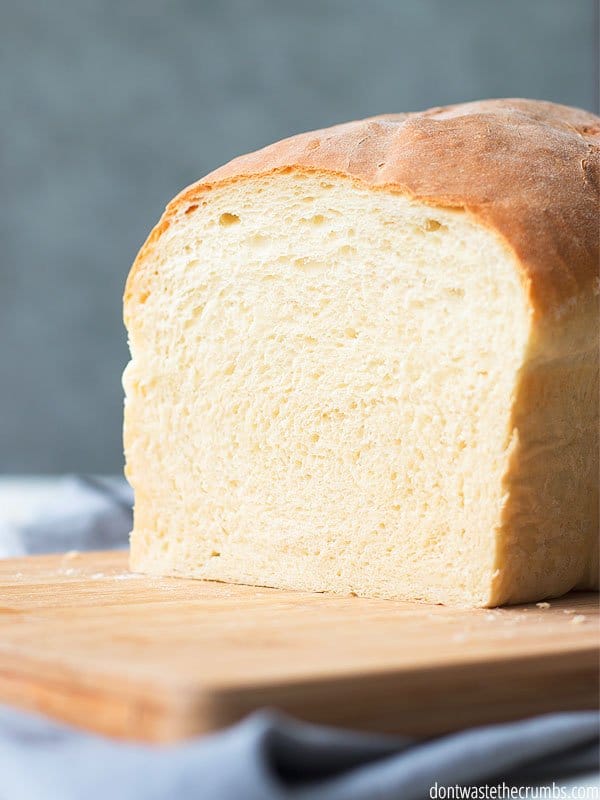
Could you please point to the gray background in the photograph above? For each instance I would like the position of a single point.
(109, 107)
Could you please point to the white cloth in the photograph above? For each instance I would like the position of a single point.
(71, 513)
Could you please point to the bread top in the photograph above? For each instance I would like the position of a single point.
(528, 169)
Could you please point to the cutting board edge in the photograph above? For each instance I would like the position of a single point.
(173, 712)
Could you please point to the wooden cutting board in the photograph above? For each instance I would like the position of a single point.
(161, 659)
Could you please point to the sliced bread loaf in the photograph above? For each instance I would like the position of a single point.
(365, 359)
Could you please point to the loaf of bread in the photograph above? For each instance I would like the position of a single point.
(365, 359)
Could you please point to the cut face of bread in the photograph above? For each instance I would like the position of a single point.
(321, 396)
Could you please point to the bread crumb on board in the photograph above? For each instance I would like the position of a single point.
(543, 605)
(460, 637)
(579, 619)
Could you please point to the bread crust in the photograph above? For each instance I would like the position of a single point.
(528, 169)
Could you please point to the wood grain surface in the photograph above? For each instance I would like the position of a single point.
(160, 659)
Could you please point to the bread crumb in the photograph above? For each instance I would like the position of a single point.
(97, 576)
(70, 571)
(579, 619)
(70, 554)
(543, 605)
(460, 637)
(568, 611)
(491, 615)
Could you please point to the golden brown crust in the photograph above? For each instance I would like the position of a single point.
(526, 168)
